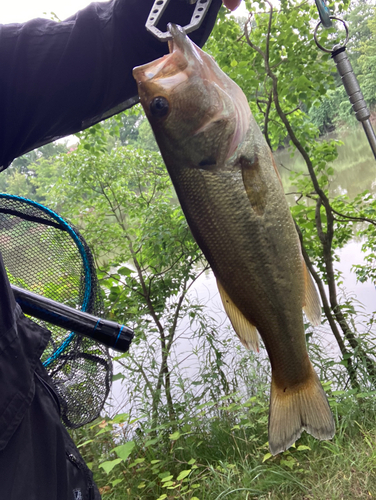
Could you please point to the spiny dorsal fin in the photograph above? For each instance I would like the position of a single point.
(311, 304)
(245, 330)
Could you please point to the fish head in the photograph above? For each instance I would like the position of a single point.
(199, 116)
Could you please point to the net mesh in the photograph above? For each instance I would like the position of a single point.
(46, 255)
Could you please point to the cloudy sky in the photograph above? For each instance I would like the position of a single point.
(19, 11)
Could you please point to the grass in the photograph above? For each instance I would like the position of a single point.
(225, 456)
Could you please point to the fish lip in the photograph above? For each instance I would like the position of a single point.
(178, 37)
(179, 42)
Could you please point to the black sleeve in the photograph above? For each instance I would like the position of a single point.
(59, 78)
(38, 459)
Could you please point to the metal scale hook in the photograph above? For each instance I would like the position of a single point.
(350, 82)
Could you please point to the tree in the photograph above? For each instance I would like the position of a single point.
(21, 177)
(367, 62)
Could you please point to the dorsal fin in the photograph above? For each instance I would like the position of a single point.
(244, 329)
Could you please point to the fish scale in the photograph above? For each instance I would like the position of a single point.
(230, 192)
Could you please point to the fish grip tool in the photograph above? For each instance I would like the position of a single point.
(159, 7)
(350, 82)
(52, 274)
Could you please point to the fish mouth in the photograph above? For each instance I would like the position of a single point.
(178, 37)
(167, 68)
(180, 41)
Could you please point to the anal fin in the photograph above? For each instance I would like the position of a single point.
(244, 329)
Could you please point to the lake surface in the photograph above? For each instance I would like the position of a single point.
(354, 169)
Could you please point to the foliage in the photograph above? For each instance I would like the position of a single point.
(367, 62)
(34, 169)
(358, 16)
(332, 112)
(291, 54)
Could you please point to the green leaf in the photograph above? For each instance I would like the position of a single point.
(150, 442)
(302, 447)
(167, 478)
(86, 442)
(167, 484)
(125, 271)
(108, 466)
(183, 474)
(266, 457)
(164, 474)
(124, 450)
(289, 463)
(120, 418)
(137, 462)
(175, 436)
(116, 481)
(103, 431)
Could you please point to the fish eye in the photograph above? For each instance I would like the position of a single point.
(159, 106)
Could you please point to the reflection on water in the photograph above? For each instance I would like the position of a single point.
(355, 167)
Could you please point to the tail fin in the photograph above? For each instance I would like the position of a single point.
(292, 410)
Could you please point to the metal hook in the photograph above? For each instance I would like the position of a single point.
(336, 46)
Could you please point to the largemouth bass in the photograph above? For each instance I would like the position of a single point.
(227, 183)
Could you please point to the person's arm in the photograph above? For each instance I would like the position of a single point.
(59, 78)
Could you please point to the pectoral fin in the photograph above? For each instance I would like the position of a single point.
(311, 305)
(245, 330)
(254, 183)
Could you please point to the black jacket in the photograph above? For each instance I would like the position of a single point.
(59, 78)
(38, 459)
